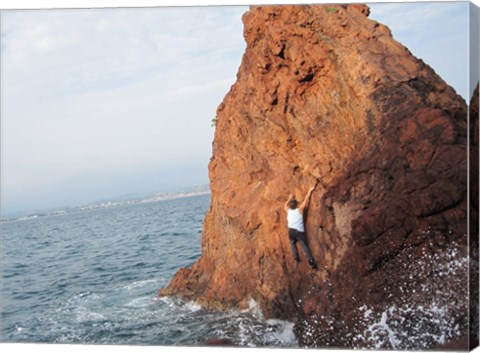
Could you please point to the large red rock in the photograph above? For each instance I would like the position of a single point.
(325, 96)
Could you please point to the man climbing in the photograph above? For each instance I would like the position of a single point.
(296, 227)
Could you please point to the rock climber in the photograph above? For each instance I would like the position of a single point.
(296, 227)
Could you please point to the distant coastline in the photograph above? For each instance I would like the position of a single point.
(163, 196)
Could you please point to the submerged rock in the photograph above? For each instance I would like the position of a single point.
(325, 96)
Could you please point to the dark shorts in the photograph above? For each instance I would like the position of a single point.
(295, 235)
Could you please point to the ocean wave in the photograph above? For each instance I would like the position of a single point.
(138, 284)
(141, 302)
(246, 328)
(180, 304)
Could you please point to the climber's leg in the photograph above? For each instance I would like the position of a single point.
(292, 235)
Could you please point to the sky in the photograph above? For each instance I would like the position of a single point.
(105, 103)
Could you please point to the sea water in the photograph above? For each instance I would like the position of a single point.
(91, 276)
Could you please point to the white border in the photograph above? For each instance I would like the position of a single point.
(73, 4)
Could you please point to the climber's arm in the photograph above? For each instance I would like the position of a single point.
(307, 199)
(288, 201)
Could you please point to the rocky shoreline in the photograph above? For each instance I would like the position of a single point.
(326, 96)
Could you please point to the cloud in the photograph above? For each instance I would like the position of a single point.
(118, 93)
(99, 49)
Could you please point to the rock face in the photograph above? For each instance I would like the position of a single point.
(326, 97)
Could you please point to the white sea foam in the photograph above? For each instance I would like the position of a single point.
(86, 315)
(246, 328)
(381, 331)
(169, 301)
(141, 302)
(433, 326)
(414, 325)
(284, 332)
(254, 309)
(278, 331)
(193, 306)
(177, 303)
(138, 284)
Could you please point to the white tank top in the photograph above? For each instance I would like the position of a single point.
(295, 220)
